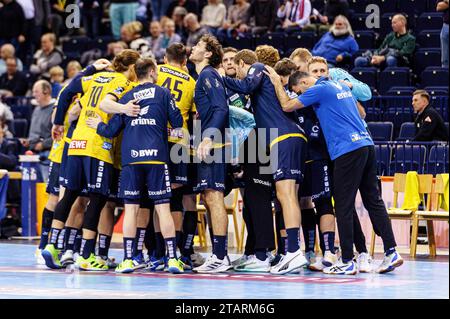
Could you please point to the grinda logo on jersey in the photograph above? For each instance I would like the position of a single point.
(144, 94)
(143, 121)
(78, 145)
(144, 153)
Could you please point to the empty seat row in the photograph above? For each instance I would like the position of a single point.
(384, 131)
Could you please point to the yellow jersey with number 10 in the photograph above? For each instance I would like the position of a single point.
(85, 140)
(182, 87)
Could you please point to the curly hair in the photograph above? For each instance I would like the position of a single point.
(267, 55)
(124, 60)
(212, 45)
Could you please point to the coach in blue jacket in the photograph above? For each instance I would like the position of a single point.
(352, 151)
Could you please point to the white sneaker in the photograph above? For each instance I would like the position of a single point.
(289, 263)
(38, 255)
(364, 262)
(341, 268)
(67, 258)
(253, 264)
(214, 265)
(390, 262)
(197, 259)
(317, 266)
(241, 260)
(329, 259)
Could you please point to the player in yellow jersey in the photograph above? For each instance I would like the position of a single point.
(90, 157)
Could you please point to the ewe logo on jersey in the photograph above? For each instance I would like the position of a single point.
(144, 153)
(78, 145)
(144, 94)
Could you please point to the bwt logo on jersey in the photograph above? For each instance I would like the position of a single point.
(142, 121)
(144, 94)
(78, 145)
(144, 153)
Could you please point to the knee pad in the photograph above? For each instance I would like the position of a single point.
(63, 207)
(176, 201)
(92, 216)
(324, 206)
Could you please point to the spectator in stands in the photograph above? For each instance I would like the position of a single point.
(73, 67)
(264, 13)
(213, 15)
(56, 80)
(267, 55)
(120, 13)
(166, 39)
(13, 82)
(190, 5)
(196, 31)
(47, 57)
(338, 45)
(131, 34)
(115, 48)
(8, 151)
(442, 6)
(320, 22)
(295, 15)
(40, 138)
(155, 37)
(91, 13)
(159, 8)
(6, 118)
(178, 18)
(8, 51)
(236, 15)
(396, 49)
(429, 124)
(12, 23)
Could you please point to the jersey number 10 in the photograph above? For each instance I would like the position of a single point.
(95, 95)
(176, 92)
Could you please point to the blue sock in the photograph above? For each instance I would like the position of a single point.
(293, 239)
(44, 238)
(77, 243)
(87, 247)
(390, 251)
(69, 238)
(219, 246)
(261, 254)
(54, 233)
(328, 240)
(128, 248)
(179, 239)
(104, 241)
(60, 242)
(160, 246)
(139, 241)
(171, 247)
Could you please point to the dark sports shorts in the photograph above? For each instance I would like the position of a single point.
(178, 171)
(53, 179)
(138, 179)
(287, 159)
(115, 186)
(88, 172)
(317, 182)
(213, 175)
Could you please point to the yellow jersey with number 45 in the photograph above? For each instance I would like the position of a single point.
(182, 87)
(85, 140)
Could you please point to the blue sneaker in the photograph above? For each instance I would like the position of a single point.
(138, 262)
(341, 268)
(390, 262)
(155, 264)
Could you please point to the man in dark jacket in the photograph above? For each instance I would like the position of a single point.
(12, 23)
(13, 82)
(429, 124)
(265, 14)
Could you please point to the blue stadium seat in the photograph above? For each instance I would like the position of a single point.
(20, 127)
(300, 40)
(427, 57)
(366, 75)
(437, 90)
(407, 131)
(398, 116)
(401, 90)
(365, 39)
(440, 104)
(381, 131)
(383, 154)
(275, 39)
(408, 158)
(359, 6)
(240, 43)
(386, 23)
(435, 76)
(358, 21)
(412, 7)
(19, 101)
(390, 77)
(76, 44)
(386, 5)
(320, 4)
(438, 160)
(429, 39)
(22, 112)
(446, 126)
(429, 21)
(102, 42)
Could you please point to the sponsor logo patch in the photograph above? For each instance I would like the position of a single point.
(78, 144)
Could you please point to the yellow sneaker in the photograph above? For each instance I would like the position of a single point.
(175, 266)
(92, 263)
(125, 267)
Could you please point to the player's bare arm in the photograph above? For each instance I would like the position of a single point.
(110, 105)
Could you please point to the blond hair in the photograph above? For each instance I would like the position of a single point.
(317, 59)
(303, 54)
(267, 55)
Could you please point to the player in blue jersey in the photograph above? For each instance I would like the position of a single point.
(286, 141)
(211, 102)
(144, 157)
(352, 151)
